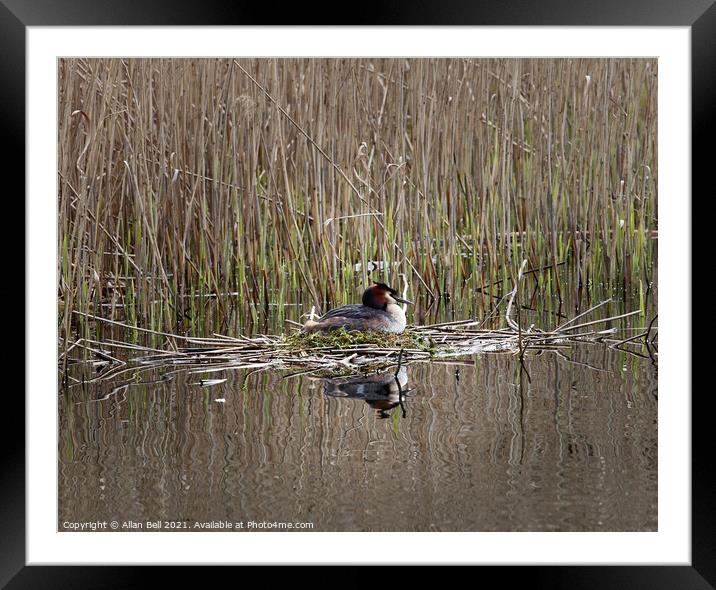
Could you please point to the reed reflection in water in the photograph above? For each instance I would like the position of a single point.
(470, 446)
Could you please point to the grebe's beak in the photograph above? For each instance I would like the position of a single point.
(399, 300)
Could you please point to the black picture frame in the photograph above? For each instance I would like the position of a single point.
(700, 15)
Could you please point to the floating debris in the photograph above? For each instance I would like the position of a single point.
(209, 382)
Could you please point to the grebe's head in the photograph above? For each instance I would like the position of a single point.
(380, 295)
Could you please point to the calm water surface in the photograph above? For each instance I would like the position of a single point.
(468, 446)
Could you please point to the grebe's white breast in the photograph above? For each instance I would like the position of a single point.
(397, 321)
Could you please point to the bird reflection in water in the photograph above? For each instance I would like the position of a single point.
(382, 391)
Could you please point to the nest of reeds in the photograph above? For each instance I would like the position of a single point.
(340, 352)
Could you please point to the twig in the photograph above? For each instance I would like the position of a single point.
(616, 317)
(590, 310)
(513, 294)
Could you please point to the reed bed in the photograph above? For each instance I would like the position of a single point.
(258, 183)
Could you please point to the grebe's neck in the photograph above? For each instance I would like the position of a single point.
(394, 309)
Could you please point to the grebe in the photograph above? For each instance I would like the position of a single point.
(380, 311)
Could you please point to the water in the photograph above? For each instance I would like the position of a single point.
(471, 445)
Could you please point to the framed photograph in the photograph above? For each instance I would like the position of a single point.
(297, 292)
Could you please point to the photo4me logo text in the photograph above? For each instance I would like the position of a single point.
(188, 525)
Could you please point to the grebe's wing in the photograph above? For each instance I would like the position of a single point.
(360, 312)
